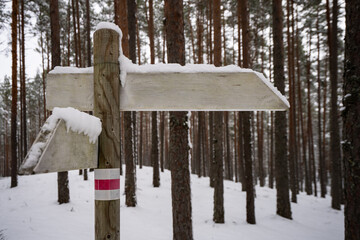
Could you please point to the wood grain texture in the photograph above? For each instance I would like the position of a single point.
(64, 151)
(70, 90)
(170, 92)
(106, 107)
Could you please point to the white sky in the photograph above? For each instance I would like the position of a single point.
(32, 58)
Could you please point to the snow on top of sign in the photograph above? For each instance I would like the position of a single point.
(189, 68)
(68, 70)
(34, 155)
(76, 121)
(273, 88)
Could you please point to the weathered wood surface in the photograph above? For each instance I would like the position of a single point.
(64, 150)
(198, 91)
(70, 90)
(242, 91)
(106, 107)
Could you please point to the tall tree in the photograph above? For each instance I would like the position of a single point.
(180, 175)
(151, 31)
(351, 117)
(23, 83)
(14, 93)
(292, 112)
(246, 118)
(63, 182)
(155, 150)
(281, 163)
(336, 187)
(132, 25)
(218, 123)
(121, 20)
(88, 28)
(120, 8)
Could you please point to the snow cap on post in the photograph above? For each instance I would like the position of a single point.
(123, 61)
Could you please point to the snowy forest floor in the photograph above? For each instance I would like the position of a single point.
(30, 211)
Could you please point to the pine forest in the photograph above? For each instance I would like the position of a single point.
(246, 168)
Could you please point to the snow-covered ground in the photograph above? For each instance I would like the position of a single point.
(30, 211)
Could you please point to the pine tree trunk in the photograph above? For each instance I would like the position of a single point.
(336, 187)
(250, 204)
(320, 141)
(292, 114)
(218, 129)
(14, 167)
(151, 32)
(120, 8)
(141, 144)
(162, 138)
(228, 153)
(281, 166)
(246, 118)
(218, 166)
(132, 26)
(88, 39)
(241, 152)
(211, 132)
(78, 33)
(351, 146)
(63, 182)
(260, 119)
(75, 34)
(180, 175)
(23, 88)
(199, 30)
(134, 129)
(130, 182)
(236, 143)
(155, 150)
(271, 162)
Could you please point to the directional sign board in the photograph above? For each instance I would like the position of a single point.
(170, 91)
(59, 150)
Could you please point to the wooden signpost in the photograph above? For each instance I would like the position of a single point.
(99, 90)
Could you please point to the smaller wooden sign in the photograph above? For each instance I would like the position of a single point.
(59, 150)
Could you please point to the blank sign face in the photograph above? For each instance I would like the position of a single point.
(243, 91)
(216, 91)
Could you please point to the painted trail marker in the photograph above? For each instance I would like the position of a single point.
(161, 87)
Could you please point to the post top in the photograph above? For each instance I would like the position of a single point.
(109, 25)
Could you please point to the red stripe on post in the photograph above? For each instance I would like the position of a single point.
(107, 184)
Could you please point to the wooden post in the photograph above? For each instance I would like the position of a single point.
(107, 108)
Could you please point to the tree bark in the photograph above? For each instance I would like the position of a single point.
(63, 182)
(130, 182)
(179, 146)
(151, 32)
(281, 163)
(335, 156)
(88, 39)
(141, 145)
(250, 205)
(351, 145)
(132, 26)
(218, 167)
(155, 150)
(218, 129)
(162, 139)
(14, 167)
(23, 85)
(120, 8)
